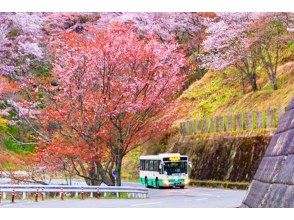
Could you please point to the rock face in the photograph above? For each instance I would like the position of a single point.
(233, 159)
(273, 183)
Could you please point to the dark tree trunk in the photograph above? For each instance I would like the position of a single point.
(252, 79)
(274, 82)
(118, 164)
(99, 174)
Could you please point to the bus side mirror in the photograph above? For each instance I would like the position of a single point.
(190, 164)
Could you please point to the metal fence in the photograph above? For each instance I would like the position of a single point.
(233, 122)
(42, 191)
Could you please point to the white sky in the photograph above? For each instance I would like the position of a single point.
(148, 5)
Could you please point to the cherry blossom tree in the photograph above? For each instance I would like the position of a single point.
(228, 44)
(113, 91)
(187, 28)
(272, 38)
(20, 35)
(56, 22)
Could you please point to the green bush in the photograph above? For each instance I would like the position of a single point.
(17, 148)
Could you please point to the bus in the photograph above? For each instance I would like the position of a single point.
(164, 170)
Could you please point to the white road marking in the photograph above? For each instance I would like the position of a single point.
(200, 199)
(150, 203)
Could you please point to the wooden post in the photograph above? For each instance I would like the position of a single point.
(229, 123)
(259, 123)
(249, 120)
(198, 127)
(191, 127)
(239, 125)
(220, 123)
(212, 125)
(204, 125)
(270, 118)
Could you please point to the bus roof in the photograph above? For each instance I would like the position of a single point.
(160, 156)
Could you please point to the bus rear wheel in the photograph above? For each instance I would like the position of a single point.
(156, 183)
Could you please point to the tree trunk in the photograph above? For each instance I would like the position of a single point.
(98, 174)
(252, 79)
(274, 82)
(118, 164)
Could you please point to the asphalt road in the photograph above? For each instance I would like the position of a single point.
(190, 197)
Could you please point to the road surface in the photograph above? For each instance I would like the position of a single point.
(190, 197)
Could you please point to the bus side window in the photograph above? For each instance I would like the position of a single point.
(151, 168)
(146, 164)
(156, 165)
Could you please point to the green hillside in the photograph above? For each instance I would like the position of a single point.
(222, 93)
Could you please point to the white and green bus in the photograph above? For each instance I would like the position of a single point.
(164, 170)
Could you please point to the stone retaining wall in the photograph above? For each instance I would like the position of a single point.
(273, 183)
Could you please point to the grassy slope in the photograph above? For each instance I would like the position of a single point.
(221, 93)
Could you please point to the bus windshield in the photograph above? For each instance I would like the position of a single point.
(175, 167)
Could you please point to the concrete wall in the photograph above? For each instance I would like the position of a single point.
(273, 183)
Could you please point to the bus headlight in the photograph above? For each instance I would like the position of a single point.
(165, 181)
(187, 181)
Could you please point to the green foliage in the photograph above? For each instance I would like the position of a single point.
(130, 170)
(42, 69)
(9, 166)
(3, 124)
(113, 196)
(17, 148)
(13, 32)
(220, 184)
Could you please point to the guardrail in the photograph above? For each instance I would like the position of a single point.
(41, 191)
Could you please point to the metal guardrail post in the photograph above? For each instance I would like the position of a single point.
(43, 194)
(36, 195)
(13, 196)
(61, 194)
(82, 193)
(98, 193)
